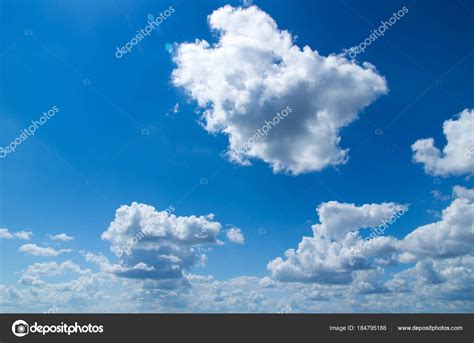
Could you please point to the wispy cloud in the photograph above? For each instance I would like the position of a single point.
(61, 237)
(24, 234)
(36, 250)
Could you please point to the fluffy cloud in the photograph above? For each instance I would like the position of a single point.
(4, 233)
(53, 268)
(31, 275)
(235, 235)
(449, 280)
(319, 260)
(158, 245)
(25, 235)
(369, 281)
(339, 218)
(89, 292)
(36, 250)
(463, 192)
(254, 72)
(328, 256)
(61, 237)
(449, 237)
(455, 158)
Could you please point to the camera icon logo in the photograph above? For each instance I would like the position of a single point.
(20, 328)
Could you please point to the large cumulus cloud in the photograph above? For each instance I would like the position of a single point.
(451, 236)
(255, 71)
(157, 244)
(328, 256)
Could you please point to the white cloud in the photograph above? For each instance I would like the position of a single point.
(453, 160)
(4, 233)
(369, 281)
(327, 257)
(450, 280)
(91, 292)
(173, 110)
(25, 235)
(102, 262)
(267, 282)
(463, 192)
(339, 218)
(440, 196)
(320, 276)
(321, 260)
(35, 250)
(430, 286)
(255, 71)
(240, 294)
(31, 276)
(235, 235)
(53, 268)
(159, 245)
(451, 236)
(61, 237)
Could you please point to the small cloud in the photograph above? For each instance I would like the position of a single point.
(434, 213)
(36, 250)
(61, 237)
(235, 235)
(4, 233)
(173, 110)
(437, 195)
(26, 235)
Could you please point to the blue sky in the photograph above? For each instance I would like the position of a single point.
(117, 140)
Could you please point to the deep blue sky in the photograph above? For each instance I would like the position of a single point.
(92, 156)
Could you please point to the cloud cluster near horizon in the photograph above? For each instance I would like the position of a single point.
(327, 258)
